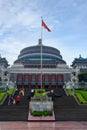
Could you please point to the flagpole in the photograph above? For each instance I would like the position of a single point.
(41, 50)
(41, 30)
(43, 24)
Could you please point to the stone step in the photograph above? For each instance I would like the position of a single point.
(67, 109)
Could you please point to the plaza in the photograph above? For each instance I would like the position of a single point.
(43, 126)
(30, 73)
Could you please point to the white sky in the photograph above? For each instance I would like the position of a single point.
(20, 26)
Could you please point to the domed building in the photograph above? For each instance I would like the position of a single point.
(38, 66)
(31, 57)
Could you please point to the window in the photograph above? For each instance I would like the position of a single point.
(33, 78)
(26, 78)
(53, 78)
(46, 78)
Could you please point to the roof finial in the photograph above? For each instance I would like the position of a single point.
(40, 41)
(80, 56)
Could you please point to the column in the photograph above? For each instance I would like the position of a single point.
(22, 81)
(56, 80)
(36, 78)
(16, 77)
(50, 80)
(62, 78)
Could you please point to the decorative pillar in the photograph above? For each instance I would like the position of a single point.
(16, 77)
(36, 78)
(62, 78)
(29, 86)
(30, 78)
(56, 77)
(43, 80)
(22, 81)
(50, 78)
(56, 80)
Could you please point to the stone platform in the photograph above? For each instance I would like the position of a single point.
(41, 118)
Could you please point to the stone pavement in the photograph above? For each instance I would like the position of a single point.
(43, 125)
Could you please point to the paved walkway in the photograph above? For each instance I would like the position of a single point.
(43, 126)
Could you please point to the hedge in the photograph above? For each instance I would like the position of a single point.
(40, 92)
(41, 113)
(69, 91)
(2, 95)
(11, 91)
(80, 98)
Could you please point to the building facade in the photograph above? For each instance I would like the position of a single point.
(3, 69)
(39, 66)
(79, 65)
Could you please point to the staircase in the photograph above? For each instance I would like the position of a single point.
(15, 112)
(67, 109)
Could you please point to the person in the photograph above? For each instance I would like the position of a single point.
(22, 92)
(32, 92)
(11, 100)
(18, 99)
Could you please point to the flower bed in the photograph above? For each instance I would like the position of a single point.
(41, 113)
(40, 92)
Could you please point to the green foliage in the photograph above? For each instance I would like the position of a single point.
(11, 91)
(2, 89)
(41, 113)
(80, 98)
(2, 95)
(37, 113)
(47, 113)
(40, 92)
(83, 93)
(69, 91)
(82, 77)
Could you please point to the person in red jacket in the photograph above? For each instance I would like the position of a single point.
(18, 99)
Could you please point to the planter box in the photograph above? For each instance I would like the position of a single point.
(41, 106)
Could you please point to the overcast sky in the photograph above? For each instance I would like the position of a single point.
(20, 26)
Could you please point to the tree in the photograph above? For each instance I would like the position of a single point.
(82, 77)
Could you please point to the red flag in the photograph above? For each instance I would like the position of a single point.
(45, 26)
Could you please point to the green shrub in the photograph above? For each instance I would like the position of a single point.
(47, 113)
(2, 90)
(40, 92)
(11, 91)
(83, 93)
(41, 113)
(69, 91)
(2, 95)
(37, 113)
(80, 98)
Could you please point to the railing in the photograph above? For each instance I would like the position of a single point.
(38, 70)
